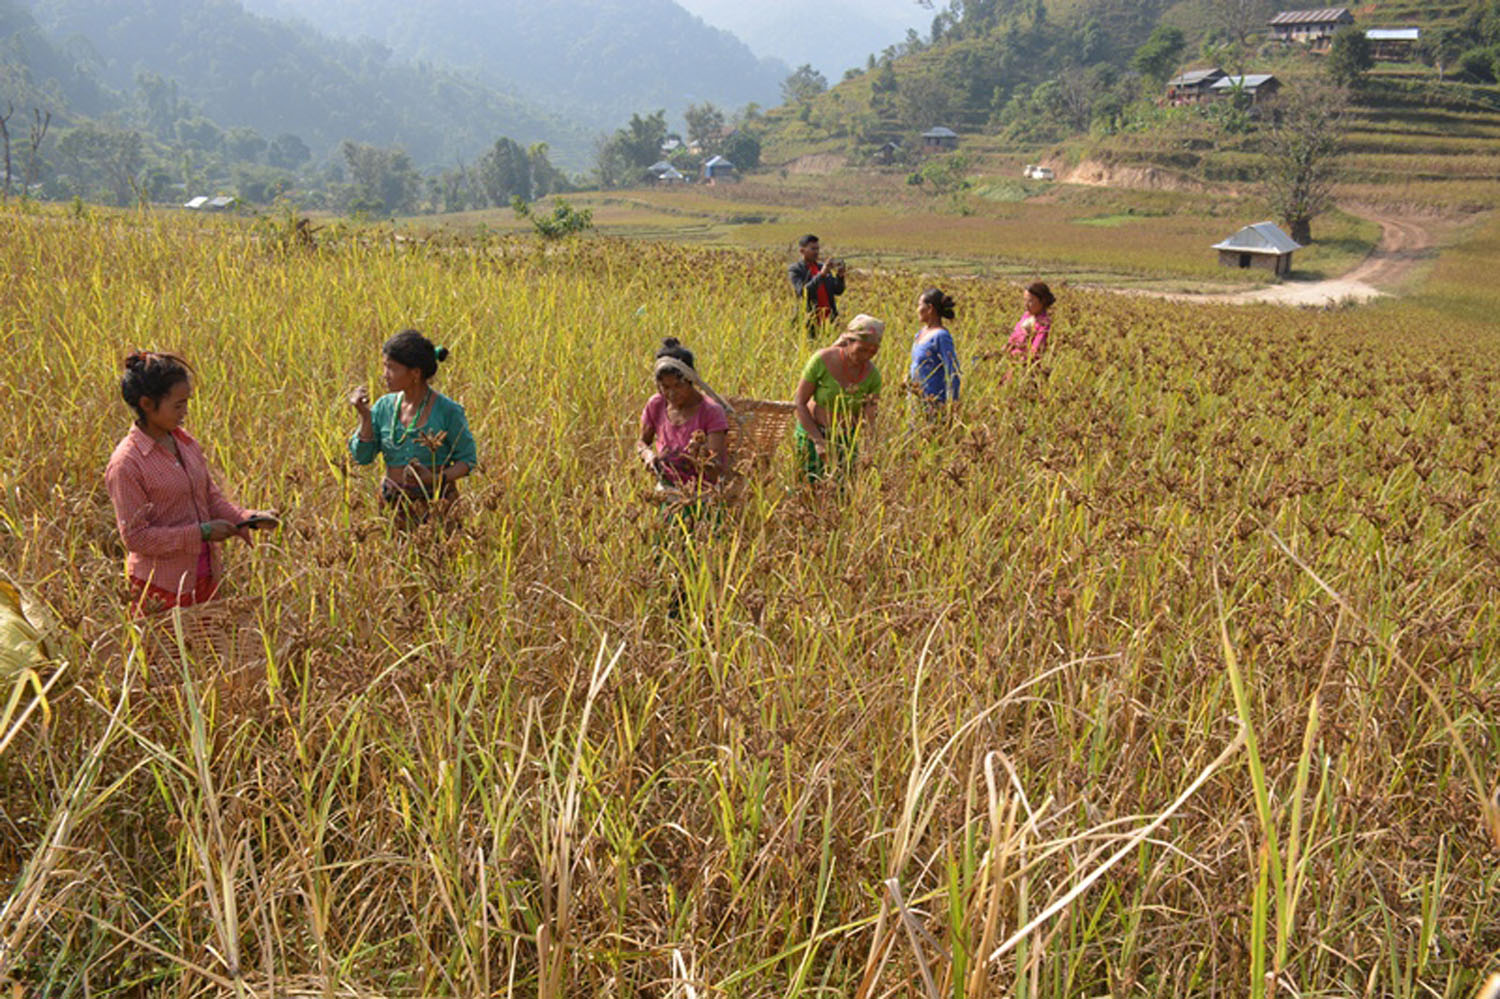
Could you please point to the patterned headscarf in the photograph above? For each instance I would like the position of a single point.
(671, 365)
(862, 329)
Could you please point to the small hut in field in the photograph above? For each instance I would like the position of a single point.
(1262, 246)
(939, 140)
(718, 168)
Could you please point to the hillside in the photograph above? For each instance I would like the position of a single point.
(240, 69)
(1059, 82)
(35, 71)
(594, 62)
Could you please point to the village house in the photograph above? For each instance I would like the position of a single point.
(1193, 86)
(718, 168)
(1262, 246)
(663, 173)
(1259, 87)
(939, 139)
(1393, 44)
(888, 153)
(1313, 28)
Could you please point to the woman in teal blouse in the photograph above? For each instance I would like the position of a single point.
(422, 435)
(839, 388)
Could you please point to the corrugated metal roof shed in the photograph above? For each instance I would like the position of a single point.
(1394, 34)
(1252, 81)
(719, 161)
(1262, 237)
(197, 202)
(940, 133)
(1320, 15)
(1194, 76)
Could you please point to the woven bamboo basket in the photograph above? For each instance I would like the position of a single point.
(756, 429)
(222, 643)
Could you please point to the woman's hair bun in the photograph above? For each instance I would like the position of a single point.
(670, 342)
(135, 360)
(441, 353)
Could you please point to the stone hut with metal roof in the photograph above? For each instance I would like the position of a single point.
(1262, 246)
(1313, 28)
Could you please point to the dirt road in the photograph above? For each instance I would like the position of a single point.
(1405, 241)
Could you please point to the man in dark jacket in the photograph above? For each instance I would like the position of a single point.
(817, 286)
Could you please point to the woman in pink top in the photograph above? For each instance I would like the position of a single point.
(1029, 337)
(683, 427)
(169, 510)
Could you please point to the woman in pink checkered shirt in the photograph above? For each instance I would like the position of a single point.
(168, 508)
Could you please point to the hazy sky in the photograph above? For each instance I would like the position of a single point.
(831, 34)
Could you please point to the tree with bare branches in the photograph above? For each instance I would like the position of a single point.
(39, 125)
(1303, 146)
(10, 112)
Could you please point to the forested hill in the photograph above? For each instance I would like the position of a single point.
(1039, 71)
(184, 59)
(35, 72)
(597, 61)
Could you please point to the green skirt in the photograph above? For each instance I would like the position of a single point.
(842, 449)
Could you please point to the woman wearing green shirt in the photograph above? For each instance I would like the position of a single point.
(839, 389)
(422, 435)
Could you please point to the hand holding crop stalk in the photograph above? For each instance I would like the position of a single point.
(359, 398)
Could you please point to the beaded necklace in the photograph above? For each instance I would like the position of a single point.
(400, 434)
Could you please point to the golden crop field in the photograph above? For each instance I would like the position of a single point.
(1169, 669)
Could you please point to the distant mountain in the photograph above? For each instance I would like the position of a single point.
(597, 61)
(242, 69)
(34, 72)
(832, 35)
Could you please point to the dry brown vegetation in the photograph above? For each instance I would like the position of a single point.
(1168, 670)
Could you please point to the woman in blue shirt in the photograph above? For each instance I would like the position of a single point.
(422, 435)
(934, 362)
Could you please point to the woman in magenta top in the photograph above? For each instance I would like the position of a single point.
(684, 426)
(168, 508)
(1029, 337)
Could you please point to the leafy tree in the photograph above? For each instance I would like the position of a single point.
(1349, 57)
(1156, 59)
(803, 85)
(1479, 65)
(260, 185)
(1302, 152)
(244, 144)
(926, 100)
(200, 134)
(505, 172)
(884, 81)
(1440, 48)
(545, 178)
(620, 158)
(104, 160)
(288, 152)
(380, 180)
(742, 149)
(704, 123)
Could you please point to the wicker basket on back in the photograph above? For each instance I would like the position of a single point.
(756, 429)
